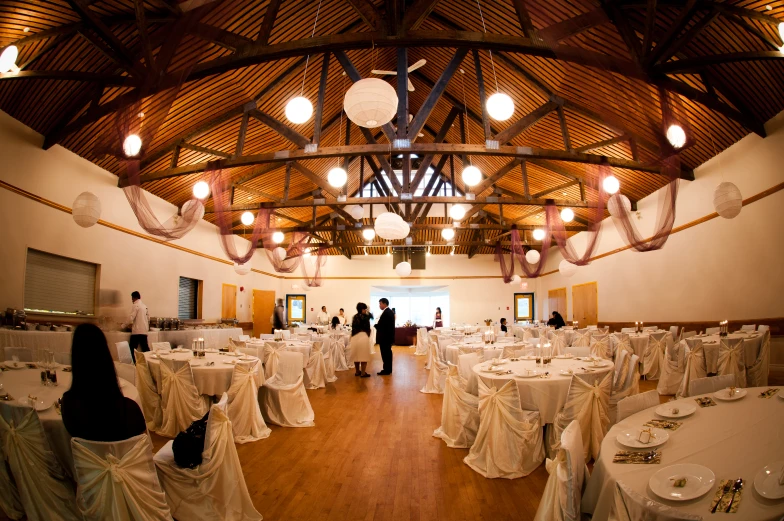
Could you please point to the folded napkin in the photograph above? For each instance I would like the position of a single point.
(726, 494)
(706, 401)
(663, 424)
(645, 458)
(768, 392)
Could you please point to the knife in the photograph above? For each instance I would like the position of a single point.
(724, 491)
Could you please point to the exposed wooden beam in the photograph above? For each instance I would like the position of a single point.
(281, 128)
(435, 94)
(416, 13)
(368, 13)
(314, 178)
(688, 36)
(427, 160)
(564, 129)
(480, 83)
(255, 192)
(222, 37)
(529, 31)
(269, 21)
(524, 172)
(650, 24)
(498, 175)
(205, 150)
(524, 123)
(241, 137)
(603, 143)
(572, 26)
(681, 21)
(558, 188)
(320, 102)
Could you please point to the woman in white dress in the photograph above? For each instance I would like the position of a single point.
(360, 340)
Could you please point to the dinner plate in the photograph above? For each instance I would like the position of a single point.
(766, 482)
(14, 365)
(699, 481)
(230, 362)
(628, 438)
(563, 357)
(684, 409)
(532, 374)
(566, 373)
(724, 394)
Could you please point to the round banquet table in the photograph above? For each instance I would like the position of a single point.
(485, 351)
(298, 346)
(638, 341)
(710, 343)
(733, 439)
(20, 383)
(211, 380)
(546, 395)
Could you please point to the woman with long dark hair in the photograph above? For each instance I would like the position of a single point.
(360, 340)
(94, 408)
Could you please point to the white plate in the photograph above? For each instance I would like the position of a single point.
(628, 438)
(39, 405)
(14, 365)
(532, 374)
(700, 481)
(563, 357)
(566, 373)
(724, 394)
(230, 362)
(684, 409)
(766, 482)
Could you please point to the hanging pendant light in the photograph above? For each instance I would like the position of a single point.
(676, 136)
(86, 209)
(132, 145)
(279, 253)
(539, 234)
(201, 190)
(391, 226)
(448, 234)
(8, 59)
(370, 103)
(566, 268)
(337, 177)
(369, 234)
(500, 106)
(567, 215)
(299, 110)
(247, 218)
(472, 176)
(533, 256)
(242, 269)
(611, 184)
(403, 269)
(727, 200)
(277, 237)
(356, 211)
(457, 212)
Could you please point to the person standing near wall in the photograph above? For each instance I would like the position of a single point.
(140, 325)
(279, 316)
(385, 335)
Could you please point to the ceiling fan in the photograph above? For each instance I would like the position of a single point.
(411, 69)
(410, 117)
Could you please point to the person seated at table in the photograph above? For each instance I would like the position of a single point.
(341, 317)
(556, 321)
(503, 325)
(94, 408)
(335, 322)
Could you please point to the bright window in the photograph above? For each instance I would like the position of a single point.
(417, 304)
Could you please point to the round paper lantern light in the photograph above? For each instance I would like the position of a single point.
(515, 279)
(194, 207)
(241, 269)
(279, 253)
(306, 287)
(676, 136)
(247, 218)
(457, 212)
(727, 200)
(403, 269)
(8, 59)
(337, 177)
(201, 190)
(532, 256)
(295, 286)
(356, 211)
(611, 184)
(369, 234)
(539, 234)
(299, 110)
(500, 106)
(278, 237)
(370, 103)
(524, 285)
(86, 209)
(391, 226)
(566, 268)
(618, 205)
(132, 145)
(448, 234)
(472, 176)
(567, 215)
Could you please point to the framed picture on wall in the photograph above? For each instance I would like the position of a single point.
(295, 305)
(523, 306)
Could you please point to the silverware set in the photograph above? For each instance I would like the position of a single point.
(729, 486)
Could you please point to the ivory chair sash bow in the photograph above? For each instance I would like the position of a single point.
(711, 384)
(284, 400)
(731, 360)
(123, 352)
(459, 413)
(757, 373)
(436, 376)
(672, 367)
(180, 399)
(636, 403)
(45, 492)
(271, 358)
(243, 407)
(315, 370)
(694, 365)
(118, 481)
(148, 394)
(587, 402)
(600, 346)
(508, 443)
(215, 489)
(653, 356)
(625, 383)
(563, 492)
(630, 506)
(582, 338)
(423, 342)
(558, 343)
(328, 348)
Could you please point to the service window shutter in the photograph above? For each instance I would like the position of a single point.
(58, 284)
(187, 304)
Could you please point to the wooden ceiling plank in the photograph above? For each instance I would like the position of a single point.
(563, 186)
(573, 26)
(493, 178)
(368, 13)
(527, 27)
(258, 193)
(689, 35)
(603, 143)
(435, 93)
(526, 122)
(314, 178)
(427, 160)
(281, 128)
(222, 37)
(674, 29)
(417, 12)
(269, 21)
(206, 150)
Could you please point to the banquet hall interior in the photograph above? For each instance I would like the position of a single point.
(560, 218)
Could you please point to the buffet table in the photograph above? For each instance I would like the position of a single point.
(405, 336)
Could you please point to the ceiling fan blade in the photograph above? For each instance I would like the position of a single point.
(417, 65)
(410, 117)
(410, 86)
(376, 71)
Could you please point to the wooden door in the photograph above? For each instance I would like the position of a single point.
(585, 304)
(229, 301)
(263, 308)
(557, 301)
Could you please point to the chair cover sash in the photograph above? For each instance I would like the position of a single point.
(731, 360)
(328, 350)
(672, 367)
(563, 491)
(459, 414)
(600, 347)
(757, 373)
(558, 343)
(284, 400)
(247, 423)
(653, 355)
(271, 358)
(693, 366)
(338, 355)
(315, 371)
(148, 394)
(436, 375)
(181, 402)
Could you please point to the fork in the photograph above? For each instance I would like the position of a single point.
(724, 491)
(738, 485)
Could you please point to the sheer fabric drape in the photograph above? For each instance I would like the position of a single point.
(243, 407)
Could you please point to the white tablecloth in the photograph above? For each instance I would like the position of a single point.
(537, 394)
(213, 338)
(59, 342)
(485, 351)
(733, 439)
(20, 383)
(710, 343)
(211, 380)
(299, 346)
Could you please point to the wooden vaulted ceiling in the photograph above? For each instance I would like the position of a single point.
(585, 76)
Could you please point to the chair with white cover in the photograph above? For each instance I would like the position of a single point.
(757, 373)
(459, 413)
(182, 404)
(338, 354)
(526, 334)
(271, 357)
(45, 492)
(215, 489)
(653, 356)
(588, 402)
(284, 333)
(508, 351)
(621, 341)
(123, 352)
(673, 367)
(712, 330)
(558, 343)
(748, 327)
(62, 358)
(422, 342)
(243, 408)
(10, 502)
(23, 354)
(582, 338)
(236, 345)
(636, 403)
(568, 473)
(465, 364)
(244, 338)
(688, 334)
(126, 372)
(600, 347)
(628, 330)
(436, 375)
(732, 359)
(160, 346)
(628, 505)
(650, 328)
(327, 349)
(148, 394)
(117, 480)
(267, 336)
(508, 443)
(674, 332)
(711, 384)
(626, 380)
(762, 328)
(315, 370)
(693, 366)
(284, 400)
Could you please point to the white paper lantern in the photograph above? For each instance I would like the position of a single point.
(457, 212)
(391, 226)
(295, 286)
(448, 234)
(201, 190)
(132, 145)
(278, 237)
(515, 279)
(86, 209)
(617, 204)
(676, 136)
(500, 106)
(247, 218)
(370, 103)
(472, 176)
(532, 256)
(567, 215)
(727, 200)
(193, 207)
(369, 234)
(8, 59)
(242, 269)
(356, 211)
(539, 234)
(337, 177)
(306, 287)
(279, 253)
(299, 110)
(403, 269)
(566, 268)
(611, 184)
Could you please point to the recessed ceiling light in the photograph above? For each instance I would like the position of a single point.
(27, 29)
(769, 8)
(564, 193)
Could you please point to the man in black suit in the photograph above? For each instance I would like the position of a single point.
(385, 335)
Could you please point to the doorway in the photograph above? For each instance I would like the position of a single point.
(229, 301)
(556, 301)
(585, 304)
(263, 308)
(523, 307)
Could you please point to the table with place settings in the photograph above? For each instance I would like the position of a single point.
(546, 395)
(212, 373)
(299, 346)
(485, 351)
(731, 440)
(751, 348)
